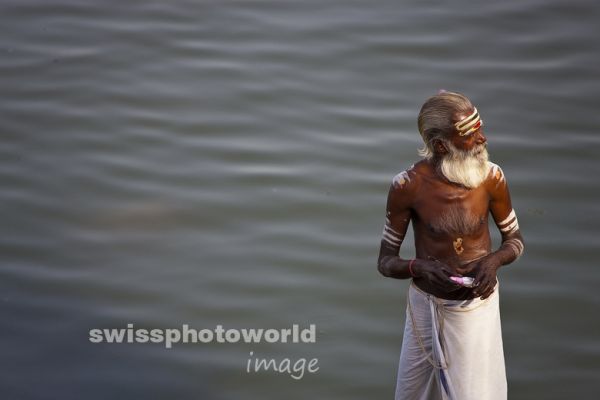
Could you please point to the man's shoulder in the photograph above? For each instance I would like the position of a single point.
(409, 178)
(495, 177)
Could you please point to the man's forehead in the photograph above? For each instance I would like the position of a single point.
(460, 115)
(467, 123)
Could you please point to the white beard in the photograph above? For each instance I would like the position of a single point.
(467, 168)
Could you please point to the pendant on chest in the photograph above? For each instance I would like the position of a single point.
(458, 247)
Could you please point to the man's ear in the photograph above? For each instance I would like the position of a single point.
(439, 147)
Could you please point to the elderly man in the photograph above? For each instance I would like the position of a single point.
(452, 346)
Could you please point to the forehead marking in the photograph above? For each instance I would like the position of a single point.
(469, 124)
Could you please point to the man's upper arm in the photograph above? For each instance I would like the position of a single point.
(398, 211)
(502, 210)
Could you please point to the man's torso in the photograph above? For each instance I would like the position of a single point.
(450, 224)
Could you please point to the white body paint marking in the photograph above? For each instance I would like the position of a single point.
(497, 173)
(509, 218)
(401, 179)
(516, 245)
(510, 224)
(390, 235)
(469, 124)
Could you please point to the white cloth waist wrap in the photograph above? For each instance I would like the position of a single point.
(452, 349)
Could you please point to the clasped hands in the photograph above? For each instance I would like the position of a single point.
(482, 270)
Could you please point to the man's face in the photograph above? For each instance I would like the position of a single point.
(470, 141)
(465, 160)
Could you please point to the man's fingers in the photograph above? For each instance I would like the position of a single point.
(481, 288)
(487, 290)
(444, 280)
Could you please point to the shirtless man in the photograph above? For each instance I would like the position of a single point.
(448, 196)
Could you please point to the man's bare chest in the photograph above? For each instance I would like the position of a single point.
(455, 212)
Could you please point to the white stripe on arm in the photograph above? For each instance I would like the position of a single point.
(510, 224)
(516, 245)
(390, 235)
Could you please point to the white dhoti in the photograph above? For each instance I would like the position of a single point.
(452, 349)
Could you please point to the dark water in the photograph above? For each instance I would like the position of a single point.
(227, 162)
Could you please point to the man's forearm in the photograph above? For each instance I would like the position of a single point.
(510, 250)
(395, 267)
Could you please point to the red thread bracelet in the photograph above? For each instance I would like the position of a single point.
(410, 263)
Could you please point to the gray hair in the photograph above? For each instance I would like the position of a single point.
(436, 118)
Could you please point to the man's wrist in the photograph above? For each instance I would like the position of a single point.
(493, 261)
(416, 268)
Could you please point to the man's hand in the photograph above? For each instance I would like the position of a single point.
(484, 271)
(437, 273)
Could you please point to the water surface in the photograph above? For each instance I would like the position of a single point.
(227, 162)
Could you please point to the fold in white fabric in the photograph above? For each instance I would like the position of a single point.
(452, 349)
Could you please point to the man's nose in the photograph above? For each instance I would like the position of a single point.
(481, 139)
